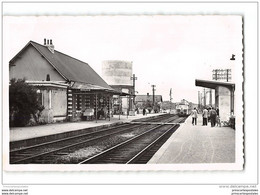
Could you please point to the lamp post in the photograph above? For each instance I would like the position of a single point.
(133, 78)
(232, 91)
(153, 86)
(170, 99)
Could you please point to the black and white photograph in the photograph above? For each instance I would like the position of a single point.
(123, 92)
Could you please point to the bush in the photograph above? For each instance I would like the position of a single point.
(23, 103)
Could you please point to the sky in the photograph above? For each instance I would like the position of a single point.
(168, 51)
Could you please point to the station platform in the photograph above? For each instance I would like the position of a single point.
(23, 133)
(197, 144)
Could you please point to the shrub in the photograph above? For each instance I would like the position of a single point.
(23, 103)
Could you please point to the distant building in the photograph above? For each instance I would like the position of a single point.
(117, 74)
(167, 105)
(146, 101)
(67, 87)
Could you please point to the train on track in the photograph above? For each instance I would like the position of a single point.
(183, 108)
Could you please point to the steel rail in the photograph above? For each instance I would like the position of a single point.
(68, 146)
(70, 138)
(118, 145)
(63, 139)
(31, 158)
(139, 155)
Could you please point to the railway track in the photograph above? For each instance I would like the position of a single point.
(137, 150)
(15, 145)
(46, 152)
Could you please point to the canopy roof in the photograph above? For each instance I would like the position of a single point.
(213, 84)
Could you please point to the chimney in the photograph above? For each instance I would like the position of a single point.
(48, 78)
(49, 45)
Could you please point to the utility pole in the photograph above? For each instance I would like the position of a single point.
(227, 75)
(232, 92)
(153, 86)
(216, 74)
(170, 99)
(133, 78)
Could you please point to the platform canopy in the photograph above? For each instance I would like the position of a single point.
(96, 88)
(214, 84)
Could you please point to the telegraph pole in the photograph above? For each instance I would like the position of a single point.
(153, 86)
(232, 92)
(170, 99)
(134, 78)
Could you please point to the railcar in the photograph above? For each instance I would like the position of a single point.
(183, 109)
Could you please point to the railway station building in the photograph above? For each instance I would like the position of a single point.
(69, 89)
(224, 96)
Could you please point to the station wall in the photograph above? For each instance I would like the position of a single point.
(223, 102)
(55, 105)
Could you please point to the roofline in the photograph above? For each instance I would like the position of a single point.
(67, 79)
(145, 96)
(111, 90)
(149, 95)
(30, 42)
(74, 59)
(129, 86)
(47, 84)
(217, 83)
(91, 84)
(19, 52)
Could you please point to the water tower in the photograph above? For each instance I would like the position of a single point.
(117, 74)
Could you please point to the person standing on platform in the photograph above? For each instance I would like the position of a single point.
(209, 114)
(144, 111)
(218, 123)
(205, 117)
(213, 116)
(194, 115)
(217, 110)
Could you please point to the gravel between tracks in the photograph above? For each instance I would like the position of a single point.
(89, 150)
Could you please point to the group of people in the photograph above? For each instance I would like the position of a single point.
(209, 114)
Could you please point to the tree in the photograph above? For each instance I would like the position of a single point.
(148, 105)
(23, 103)
(157, 107)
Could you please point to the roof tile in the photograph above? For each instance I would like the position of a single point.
(71, 68)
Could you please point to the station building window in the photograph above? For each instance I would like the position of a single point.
(78, 100)
(39, 97)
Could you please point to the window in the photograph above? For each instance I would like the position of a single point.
(39, 97)
(78, 102)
